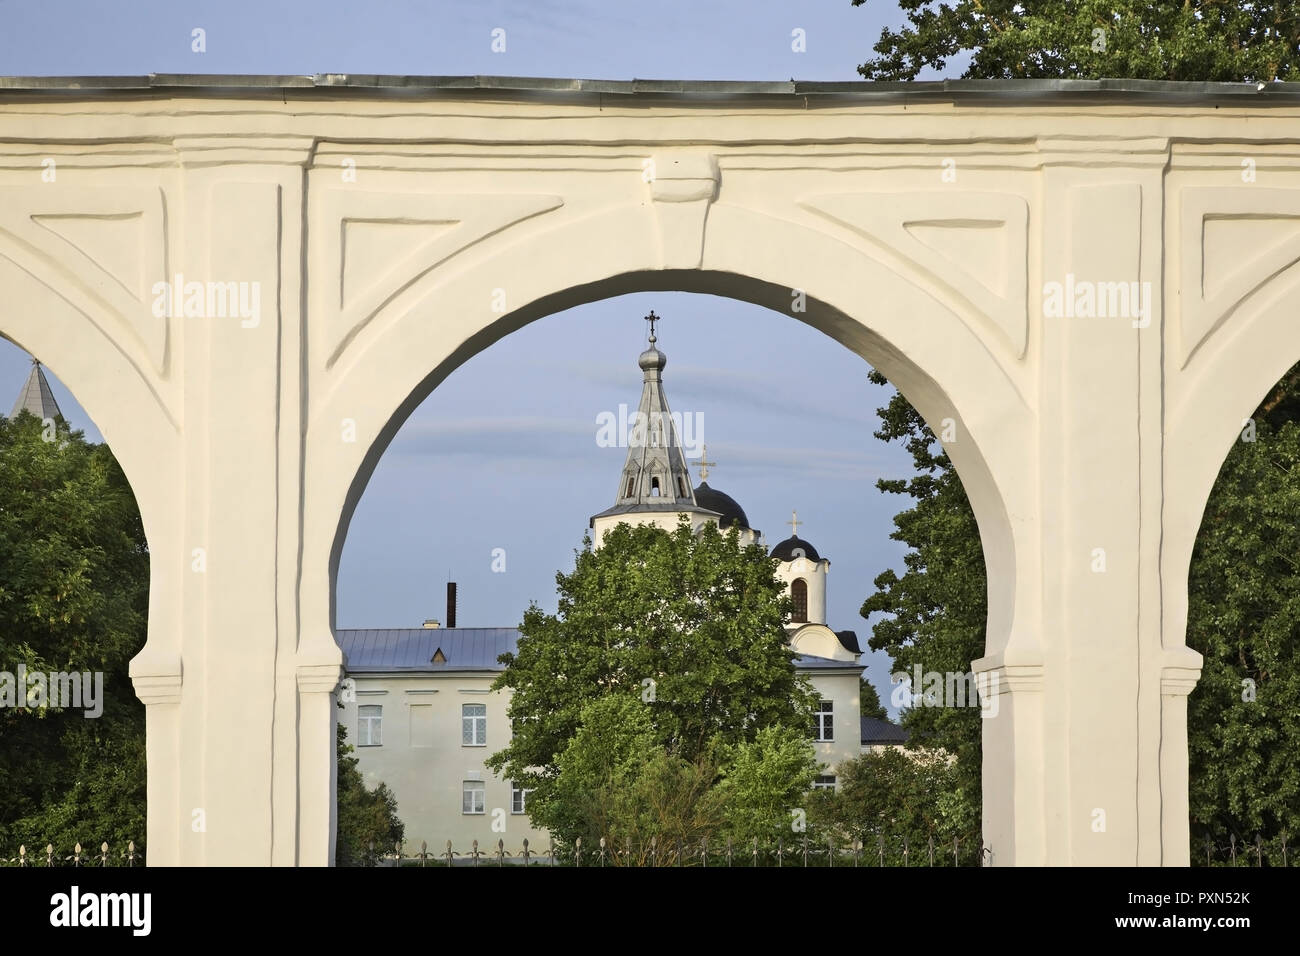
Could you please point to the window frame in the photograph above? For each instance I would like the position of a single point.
(522, 793)
(824, 721)
(476, 722)
(373, 725)
(799, 596)
(469, 787)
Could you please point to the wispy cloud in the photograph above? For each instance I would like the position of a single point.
(538, 439)
(699, 386)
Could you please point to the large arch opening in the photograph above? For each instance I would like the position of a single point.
(917, 384)
(1221, 528)
(121, 406)
(1243, 618)
(75, 578)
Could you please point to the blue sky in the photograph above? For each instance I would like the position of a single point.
(504, 453)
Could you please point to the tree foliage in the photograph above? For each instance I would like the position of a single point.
(763, 781)
(869, 704)
(1205, 40)
(894, 803)
(660, 693)
(74, 588)
(368, 826)
(935, 613)
(614, 780)
(1244, 618)
(693, 624)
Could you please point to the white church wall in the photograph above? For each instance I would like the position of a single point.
(842, 689)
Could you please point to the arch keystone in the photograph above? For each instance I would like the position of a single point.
(682, 186)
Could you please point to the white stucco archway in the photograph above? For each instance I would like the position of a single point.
(394, 228)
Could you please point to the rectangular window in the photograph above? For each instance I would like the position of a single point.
(369, 719)
(519, 800)
(473, 797)
(824, 782)
(824, 721)
(473, 725)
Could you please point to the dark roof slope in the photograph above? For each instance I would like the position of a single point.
(877, 731)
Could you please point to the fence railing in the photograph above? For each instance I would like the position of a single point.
(1243, 852)
(50, 856)
(805, 852)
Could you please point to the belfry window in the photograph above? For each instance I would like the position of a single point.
(799, 593)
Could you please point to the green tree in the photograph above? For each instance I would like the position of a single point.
(892, 800)
(1203, 40)
(764, 780)
(74, 590)
(368, 826)
(869, 700)
(614, 780)
(690, 625)
(1244, 617)
(935, 613)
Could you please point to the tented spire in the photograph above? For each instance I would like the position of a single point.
(36, 396)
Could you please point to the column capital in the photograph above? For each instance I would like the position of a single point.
(1180, 669)
(157, 678)
(1017, 669)
(318, 678)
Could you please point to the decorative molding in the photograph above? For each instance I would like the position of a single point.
(382, 243)
(1234, 240)
(970, 245)
(100, 248)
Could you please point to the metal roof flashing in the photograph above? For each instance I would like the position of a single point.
(526, 87)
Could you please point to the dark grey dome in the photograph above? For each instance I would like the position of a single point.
(723, 504)
(785, 551)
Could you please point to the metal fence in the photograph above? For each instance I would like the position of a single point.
(1243, 852)
(804, 852)
(50, 856)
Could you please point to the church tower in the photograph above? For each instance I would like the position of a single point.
(655, 484)
(36, 396)
(804, 572)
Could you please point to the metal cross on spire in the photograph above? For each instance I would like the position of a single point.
(794, 523)
(652, 319)
(705, 464)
